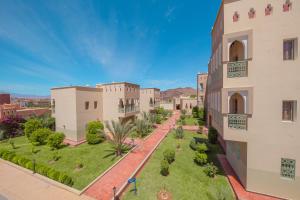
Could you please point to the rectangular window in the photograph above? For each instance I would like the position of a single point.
(289, 49)
(95, 104)
(289, 109)
(87, 105)
(288, 167)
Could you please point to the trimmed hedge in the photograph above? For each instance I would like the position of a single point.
(55, 140)
(40, 136)
(39, 168)
(164, 167)
(200, 158)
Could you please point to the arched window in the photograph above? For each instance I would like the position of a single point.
(121, 104)
(237, 104)
(236, 51)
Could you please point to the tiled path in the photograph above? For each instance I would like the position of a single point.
(239, 190)
(17, 184)
(118, 175)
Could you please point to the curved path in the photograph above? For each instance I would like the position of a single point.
(126, 168)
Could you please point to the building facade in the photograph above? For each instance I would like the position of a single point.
(4, 98)
(73, 107)
(201, 89)
(149, 99)
(253, 91)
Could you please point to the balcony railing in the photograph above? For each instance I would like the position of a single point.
(237, 69)
(237, 121)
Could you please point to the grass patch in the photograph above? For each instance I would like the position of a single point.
(186, 179)
(94, 158)
(190, 121)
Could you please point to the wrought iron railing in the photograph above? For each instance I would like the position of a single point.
(237, 69)
(237, 121)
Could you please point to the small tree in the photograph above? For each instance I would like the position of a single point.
(141, 128)
(195, 112)
(119, 134)
(95, 132)
(12, 126)
(210, 170)
(164, 167)
(55, 140)
(169, 155)
(39, 136)
(179, 133)
(32, 125)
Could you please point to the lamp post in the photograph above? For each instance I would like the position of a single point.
(114, 191)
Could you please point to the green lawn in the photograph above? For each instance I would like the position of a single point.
(189, 120)
(95, 159)
(186, 179)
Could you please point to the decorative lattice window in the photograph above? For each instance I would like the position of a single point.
(268, 10)
(287, 6)
(236, 16)
(288, 168)
(251, 13)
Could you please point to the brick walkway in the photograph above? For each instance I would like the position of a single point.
(239, 190)
(126, 168)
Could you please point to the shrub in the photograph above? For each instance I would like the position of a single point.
(39, 136)
(15, 159)
(212, 135)
(169, 155)
(193, 144)
(55, 140)
(32, 125)
(158, 119)
(8, 155)
(201, 122)
(2, 151)
(94, 138)
(53, 174)
(179, 133)
(94, 127)
(200, 158)
(202, 148)
(94, 132)
(210, 170)
(29, 165)
(164, 167)
(65, 179)
(41, 169)
(195, 112)
(23, 161)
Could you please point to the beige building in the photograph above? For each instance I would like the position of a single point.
(149, 99)
(201, 89)
(73, 107)
(184, 103)
(253, 90)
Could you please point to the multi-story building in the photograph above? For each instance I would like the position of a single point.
(8, 110)
(4, 98)
(73, 107)
(186, 103)
(149, 99)
(121, 101)
(201, 89)
(253, 92)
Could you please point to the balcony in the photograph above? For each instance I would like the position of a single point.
(237, 121)
(237, 69)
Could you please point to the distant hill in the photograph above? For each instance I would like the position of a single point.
(169, 94)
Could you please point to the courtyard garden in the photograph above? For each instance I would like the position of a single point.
(196, 118)
(184, 166)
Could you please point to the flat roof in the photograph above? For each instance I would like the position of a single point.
(117, 83)
(149, 89)
(82, 88)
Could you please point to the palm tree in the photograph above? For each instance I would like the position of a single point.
(141, 127)
(119, 132)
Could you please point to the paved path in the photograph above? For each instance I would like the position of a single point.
(239, 190)
(16, 184)
(118, 175)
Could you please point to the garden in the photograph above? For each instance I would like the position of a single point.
(33, 144)
(184, 166)
(195, 119)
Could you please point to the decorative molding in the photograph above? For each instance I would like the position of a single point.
(287, 6)
(268, 10)
(251, 13)
(236, 16)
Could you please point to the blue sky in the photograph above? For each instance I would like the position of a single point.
(155, 43)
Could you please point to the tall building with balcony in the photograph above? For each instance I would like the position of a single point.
(149, 99)
(201, 89)
(121, 101)
(73, 107)
(253, 91)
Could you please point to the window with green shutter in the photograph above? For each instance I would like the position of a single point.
(288, 168)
